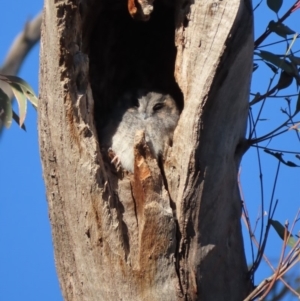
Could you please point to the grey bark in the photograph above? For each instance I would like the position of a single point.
(148, 236)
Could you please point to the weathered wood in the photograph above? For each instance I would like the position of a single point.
(149, 236)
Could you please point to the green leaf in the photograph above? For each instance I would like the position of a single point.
(255, 66)
(255, 99)
(21, 98)
(274, 5)
(298, 104)
(272, 67)
(279, 157)
(284, 81)
(294, 59)
(280, 229)
(280, 29)
(17, 120)
(276, 60)
(28, 91)
(5, 109)
(291, 164)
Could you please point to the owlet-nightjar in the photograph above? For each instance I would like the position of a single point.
(155, 113)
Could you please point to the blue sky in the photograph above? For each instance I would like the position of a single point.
(26, 254)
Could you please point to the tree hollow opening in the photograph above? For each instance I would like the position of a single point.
(127, 54)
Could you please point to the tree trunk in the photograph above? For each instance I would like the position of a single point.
(166, 232)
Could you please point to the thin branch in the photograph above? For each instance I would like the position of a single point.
(261, 107)
(264, 284)
(257, 260)
(254, 9)
(271, 134)
(298, 242)
(21, 46)
(272, 282)
(277, 96)
(267, 260)
(245, 216)
(19, 49)
(278, 42)
(276, 150)
(268, 31)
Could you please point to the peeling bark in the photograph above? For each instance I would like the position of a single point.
(170, 231)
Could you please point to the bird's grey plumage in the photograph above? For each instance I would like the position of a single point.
(153, 112)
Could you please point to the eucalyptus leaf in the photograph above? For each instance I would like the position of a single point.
(285, 80)
(298, 104)
(5, 109)
(274, 5)
(280, 229)
(21, 99)
(294, 59)
(255, 67)
(279, 157)
(28, 91)
(255, 99)
(280, 29)
(272, 67)
(276, 60)
(16, 118)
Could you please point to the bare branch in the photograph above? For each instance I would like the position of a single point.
(19, 49)
(22, 45)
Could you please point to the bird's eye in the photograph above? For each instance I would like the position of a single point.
(158, 106)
